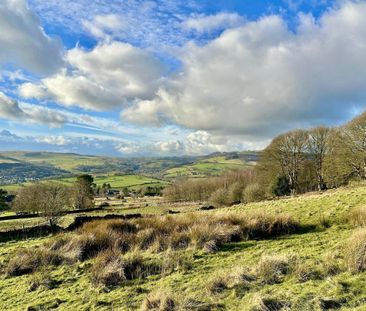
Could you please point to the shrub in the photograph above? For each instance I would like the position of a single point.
(235, 192)
(220, 197)
(355, 251)
(272, 268)
(253, 193)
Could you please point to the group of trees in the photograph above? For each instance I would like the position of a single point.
(231, 187)
(294, 162)
(50, 200)
(316, 159)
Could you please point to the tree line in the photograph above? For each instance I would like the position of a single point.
(294, 162)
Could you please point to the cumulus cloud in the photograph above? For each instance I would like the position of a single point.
(209, 23)
(172, 146)
(103, 78)
(23, 40)
(262, 78)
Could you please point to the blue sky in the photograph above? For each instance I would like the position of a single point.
(163, 77)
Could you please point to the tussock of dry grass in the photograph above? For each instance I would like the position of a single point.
(159, 301)
(116, 244)
(30, 260)
(108, 269)
(358, 216)
(267, 303)
(355, 251)
(272, 268)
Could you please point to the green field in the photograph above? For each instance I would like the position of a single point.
(327, 213)
(209, 167)
(116, 182)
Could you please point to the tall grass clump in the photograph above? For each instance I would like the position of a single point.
(358, 216)
(355, 251)
(30, 260)
(159, 301)
(273, 268)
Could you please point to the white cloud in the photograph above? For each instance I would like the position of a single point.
(172, 146)
(23, 40)
(209, 23)
(54, 140)
(262, 78)
(104, 26)
(103, 78)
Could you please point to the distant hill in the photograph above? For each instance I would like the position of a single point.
(19, 167)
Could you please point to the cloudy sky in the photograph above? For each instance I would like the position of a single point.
(168, 77)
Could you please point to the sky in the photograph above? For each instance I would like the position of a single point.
(164, 78)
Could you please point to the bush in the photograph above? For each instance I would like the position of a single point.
(220, 197)
(355, 251)
(281, 187)
(253, 193)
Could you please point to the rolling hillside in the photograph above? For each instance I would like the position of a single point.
(307, 269)
(20, 168)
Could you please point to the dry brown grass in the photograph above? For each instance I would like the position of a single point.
(108, 269)
(273, 268)
(159, 301)
(108, 240)
(30, 260)
(218, 284)
(357, 216)
(355, 251)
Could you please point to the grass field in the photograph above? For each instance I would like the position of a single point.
(208, 167)
(117, 182)
(327, 212)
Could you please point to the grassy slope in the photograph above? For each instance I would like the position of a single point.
(77, 293)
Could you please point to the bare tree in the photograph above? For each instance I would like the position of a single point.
(48, 200)
(319, 146)
(286, 155)
(354, 141)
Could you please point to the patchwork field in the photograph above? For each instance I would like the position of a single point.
(208, 167)
(303, 270)
(116, 182)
